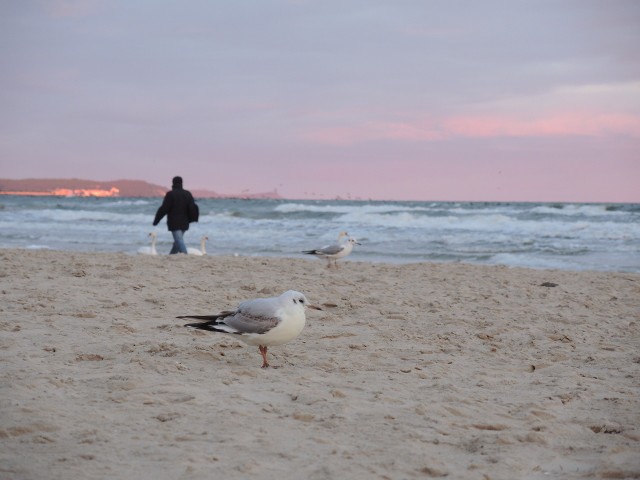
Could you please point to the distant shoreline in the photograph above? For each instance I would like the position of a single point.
(75, 187)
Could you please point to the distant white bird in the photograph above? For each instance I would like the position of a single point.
(333, 252)
(341, 235)
(152, 249)
(261, 321)
(202, 251)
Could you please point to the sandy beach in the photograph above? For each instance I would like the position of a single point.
(410, 371)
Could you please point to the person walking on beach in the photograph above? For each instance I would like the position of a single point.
(181, 209)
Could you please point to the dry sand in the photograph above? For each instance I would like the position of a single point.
(411, 371)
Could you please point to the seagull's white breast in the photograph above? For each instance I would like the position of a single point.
(293, 321)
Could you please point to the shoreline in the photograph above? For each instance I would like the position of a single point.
(350, 259)
(410, 371)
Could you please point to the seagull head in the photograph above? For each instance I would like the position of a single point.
(298, 299)
(353, 241)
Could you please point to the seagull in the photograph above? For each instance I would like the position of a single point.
(342, 234)
(261, 321)
(152, 249)
(333, 252)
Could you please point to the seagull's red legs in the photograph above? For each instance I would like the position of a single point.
(263, 352)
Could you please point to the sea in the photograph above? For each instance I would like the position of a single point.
(566, 236)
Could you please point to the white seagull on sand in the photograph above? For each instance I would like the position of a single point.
(333, 252)
(261, 321)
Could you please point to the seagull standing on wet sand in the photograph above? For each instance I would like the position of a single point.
(333, 252)
(261, 321)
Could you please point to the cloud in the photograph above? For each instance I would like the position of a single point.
(481, 126)
(568, 124)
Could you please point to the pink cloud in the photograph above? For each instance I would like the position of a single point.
(569, 124)
(563, 124)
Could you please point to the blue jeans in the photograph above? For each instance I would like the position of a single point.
(178, 242)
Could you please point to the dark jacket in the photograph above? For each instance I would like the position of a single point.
(175, 206)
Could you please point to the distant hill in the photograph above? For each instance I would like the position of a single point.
(112, 188)
(80, 187)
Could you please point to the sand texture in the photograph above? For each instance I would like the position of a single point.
(410, 371)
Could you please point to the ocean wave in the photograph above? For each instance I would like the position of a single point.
(529, 261)
(86, 216)
(128, 202)
(567, 236)
(348, 209)
(577, 210)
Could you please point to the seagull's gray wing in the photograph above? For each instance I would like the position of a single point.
(251, 316)
(330, 249)
(245, 322)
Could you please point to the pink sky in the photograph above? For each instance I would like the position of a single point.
(380, 100)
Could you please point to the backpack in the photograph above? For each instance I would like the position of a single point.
(193, 212)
